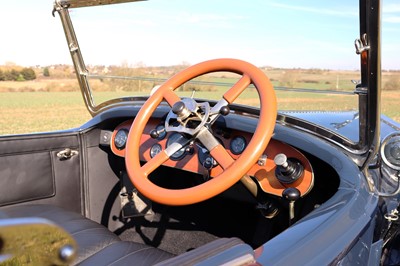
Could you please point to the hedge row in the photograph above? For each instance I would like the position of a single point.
(24, 74)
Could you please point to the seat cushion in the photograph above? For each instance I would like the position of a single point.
(127, 253)
(96, 244)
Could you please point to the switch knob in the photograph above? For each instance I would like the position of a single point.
(288, 170)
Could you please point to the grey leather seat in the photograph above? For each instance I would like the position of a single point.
(96, 244)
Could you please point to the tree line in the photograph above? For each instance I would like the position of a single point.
(17, 75)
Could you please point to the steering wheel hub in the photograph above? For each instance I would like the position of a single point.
(188, 116)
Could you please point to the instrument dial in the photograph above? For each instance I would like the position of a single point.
(206, 160)
(238, 144)
(120, 139)
(180, 139)
(155, 149)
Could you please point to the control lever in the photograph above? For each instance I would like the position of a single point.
(288, 170)
(291, 194)
(208, 165)
(154, 133)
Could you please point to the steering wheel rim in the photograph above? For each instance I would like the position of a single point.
(139, 174)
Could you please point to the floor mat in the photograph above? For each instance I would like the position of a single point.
(165, 233)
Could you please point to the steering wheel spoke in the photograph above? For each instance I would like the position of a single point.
(171, 97)
(161, 157)
(234, 92)
(222, 156)
(154, 163)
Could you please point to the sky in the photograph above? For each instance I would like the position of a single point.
(277, 33)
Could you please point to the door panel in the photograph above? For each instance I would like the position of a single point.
(31, 171)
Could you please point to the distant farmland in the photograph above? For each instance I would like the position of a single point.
(47, 104)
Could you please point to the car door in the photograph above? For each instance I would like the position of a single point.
(41, 168)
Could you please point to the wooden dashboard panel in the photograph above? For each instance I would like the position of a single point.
(264, 174)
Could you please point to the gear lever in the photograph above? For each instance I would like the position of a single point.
(291, 194)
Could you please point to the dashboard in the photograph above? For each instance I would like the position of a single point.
(281, 165)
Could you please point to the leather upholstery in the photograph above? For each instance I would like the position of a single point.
(96, 244)
(30, 170)
(222, 251)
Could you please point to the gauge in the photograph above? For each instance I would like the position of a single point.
(205, 159)
(395, 151)
(180, 139)
(120, 139)
(238, 144)
(390, 151)
(155, 149)
(161, 132)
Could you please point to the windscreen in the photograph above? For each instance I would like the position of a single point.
(306, 49)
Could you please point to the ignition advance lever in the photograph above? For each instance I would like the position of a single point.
(154, 133)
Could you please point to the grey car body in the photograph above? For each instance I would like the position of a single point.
(348, 218)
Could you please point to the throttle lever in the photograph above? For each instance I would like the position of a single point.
(291, 194)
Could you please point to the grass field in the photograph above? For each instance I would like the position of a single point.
(47, 105)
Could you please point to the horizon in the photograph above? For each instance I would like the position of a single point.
(10, 65)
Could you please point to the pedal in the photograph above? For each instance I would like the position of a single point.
(132, 203)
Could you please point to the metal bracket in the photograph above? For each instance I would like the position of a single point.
(361, 44)
(58, 5)
(73, 47)
(361, 90)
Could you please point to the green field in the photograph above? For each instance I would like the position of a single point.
(47, 105)
(24, 112)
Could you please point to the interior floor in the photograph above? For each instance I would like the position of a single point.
(179, 229)
(234, 213)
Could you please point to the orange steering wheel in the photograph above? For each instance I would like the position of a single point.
(233, 170)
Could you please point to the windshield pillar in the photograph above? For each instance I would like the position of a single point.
(61, 7)
(370, 87)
